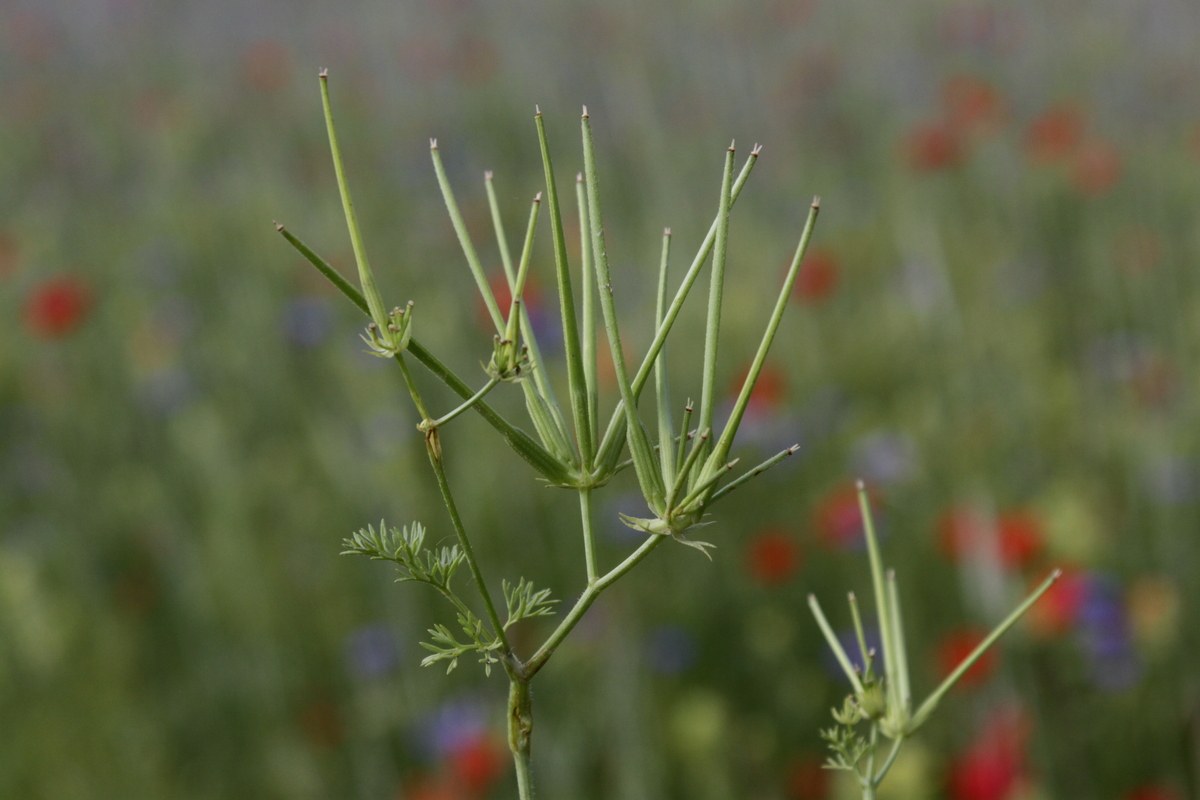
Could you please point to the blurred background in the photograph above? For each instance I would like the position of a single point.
(997, 326)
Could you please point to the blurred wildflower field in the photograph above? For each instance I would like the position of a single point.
(997, 328)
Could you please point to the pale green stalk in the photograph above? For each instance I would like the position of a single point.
(665, 440)
(639, 445)
(615, 433)
(587, 289)
(374, 302)
(566, 303)
(721, 450)
(716, 291)
(760, 469)
(838, 652)
(936, 696)
(589, 539)
(464, 238)
(881, 603)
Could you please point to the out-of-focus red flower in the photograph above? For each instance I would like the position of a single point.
(768, 393)
(267, 65)
(1058, 609)
(818, 277)
(432, 789)
(955, 647)
(1153, 792)
(1019, 534)
(933, 146)
(838, 519)
(34, 36)
(1054, 135)
(1096, 169)
(476, 60)
(807, 779)
(56, 307)
(531, 297)
(973, 106)
(477, 764)
(322, 724)
(993, 766)
(772, 557)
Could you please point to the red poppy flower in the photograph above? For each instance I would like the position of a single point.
(993, 766)
(1058, 609)
(531, 297)
(772, 557)
(933, 146)
(1019, 535)
(953, 650)
(56, 307)
(838, 519)
(267, 65)
(1153, 792)
(1096, 169)
(818, 277)
(477, 764)
(1054, 135)
(973, 106)
(807, 779)
(322, 724)
(768, 393)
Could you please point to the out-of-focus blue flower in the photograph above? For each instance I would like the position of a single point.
(371, 651)
(307, 320)
(885, 457)
(670, 650)
(1105, 635)
(450, 727)
(849, 642)
(1171, 481)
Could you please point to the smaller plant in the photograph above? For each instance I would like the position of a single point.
(884, 702)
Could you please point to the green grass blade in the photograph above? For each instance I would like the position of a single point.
(464, 238)
(566, 303)
(639, 444)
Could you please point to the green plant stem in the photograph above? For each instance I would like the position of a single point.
(613, 432)
(472, 400)
(520, 731)
(551, 468)
(587, 289)
(868, 781)
(433, 448)
(716, 291)
(589, 541)
(887, 762)
(566, 303)
(935, 697)
(585, 601)
(649, 477)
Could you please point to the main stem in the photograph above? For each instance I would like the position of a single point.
(520, 729)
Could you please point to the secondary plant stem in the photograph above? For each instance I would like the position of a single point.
(520, 730)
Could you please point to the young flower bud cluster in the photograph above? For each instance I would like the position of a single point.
(391, 337)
